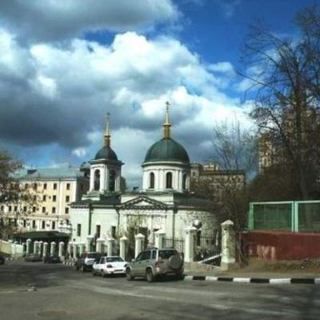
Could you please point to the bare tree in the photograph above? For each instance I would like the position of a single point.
(285, 74)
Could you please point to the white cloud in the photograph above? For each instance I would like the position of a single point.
(56, 19)
(67, 90)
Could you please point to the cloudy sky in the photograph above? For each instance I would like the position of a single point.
(65, 63)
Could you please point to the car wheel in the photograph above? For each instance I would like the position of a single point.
(129, 275)
(180, 276)
(149, 275)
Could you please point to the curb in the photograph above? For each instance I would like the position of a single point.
(256, 280)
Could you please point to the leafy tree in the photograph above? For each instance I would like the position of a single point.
(285, 77)
(13, 194)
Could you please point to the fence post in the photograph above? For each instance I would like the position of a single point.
(52, 248)
(45, 249)
(123, 247)
(189, 244)
(61, 247)
(159, 238)
(28, 248)
(228, 245)
(139, 243)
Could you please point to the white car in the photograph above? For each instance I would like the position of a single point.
(109, 265)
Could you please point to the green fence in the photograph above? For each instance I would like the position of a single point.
(296, 216)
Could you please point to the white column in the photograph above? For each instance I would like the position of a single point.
(28, 246)
(45, 249)
(99, 245)
(139, 244)
(81, 248)
(110, 242)
(52, 248)
(75, 250)
(35, 247)
(123, 247)
(228, 247)
(61, 247)
(69, 249)
(159, 239)
(89, 242)
(189, 243)
(91, 188)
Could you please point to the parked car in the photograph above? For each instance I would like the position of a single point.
(33, 258)
(155, 263)
(2, 260)
(51, 259)
(86, 261)
(109, 266)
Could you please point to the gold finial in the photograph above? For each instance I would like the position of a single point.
(107, 135)
(166, 124)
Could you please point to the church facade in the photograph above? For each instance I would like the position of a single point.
(164, 203)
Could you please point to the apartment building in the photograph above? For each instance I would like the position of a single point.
(46, 196)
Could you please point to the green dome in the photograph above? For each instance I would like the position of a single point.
(167, 149)
(106, 153)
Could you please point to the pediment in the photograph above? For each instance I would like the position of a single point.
(143, 203)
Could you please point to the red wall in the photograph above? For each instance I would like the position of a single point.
(281, 245)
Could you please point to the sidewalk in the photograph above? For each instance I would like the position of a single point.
(253, 274)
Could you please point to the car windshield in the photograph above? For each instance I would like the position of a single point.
(114, 259)
(166, 254)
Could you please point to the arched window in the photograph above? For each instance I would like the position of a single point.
(151, 180)
(184, 182)
(97, 180)
(169, 180)
(112, 180)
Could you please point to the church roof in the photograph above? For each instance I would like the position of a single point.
(167, 149)
(106, 153)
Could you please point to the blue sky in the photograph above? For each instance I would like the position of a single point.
(65, 64)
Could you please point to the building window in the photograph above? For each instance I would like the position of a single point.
(43, 224)
(34, 209)
(151, 180)
(113, 232)
(2, 207)
(97, 180)
(68, 186)
(24, 209)
(66, 210)
(112, 180)
(24, 223)
(33, 224)
(53, 225)
(45, 186)
(169, 180)
(9, 208)
(184, 182)
(54, 186)
(15, 208)
(98, 230)
(67, 198)
(78, 230)
(26, 186)
(34, 198)
(35, 186)
(54, 198)
(44, 198)
(53, 209)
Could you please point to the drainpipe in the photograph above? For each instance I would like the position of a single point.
(90, 218)
(175, 210)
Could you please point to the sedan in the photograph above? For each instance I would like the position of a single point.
(32, 258)
(109, 266)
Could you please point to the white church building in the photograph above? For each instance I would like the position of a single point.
(164, 203)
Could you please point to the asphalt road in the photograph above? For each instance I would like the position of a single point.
(32, 291)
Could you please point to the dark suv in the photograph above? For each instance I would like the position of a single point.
(155, 263)
(86, 261)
